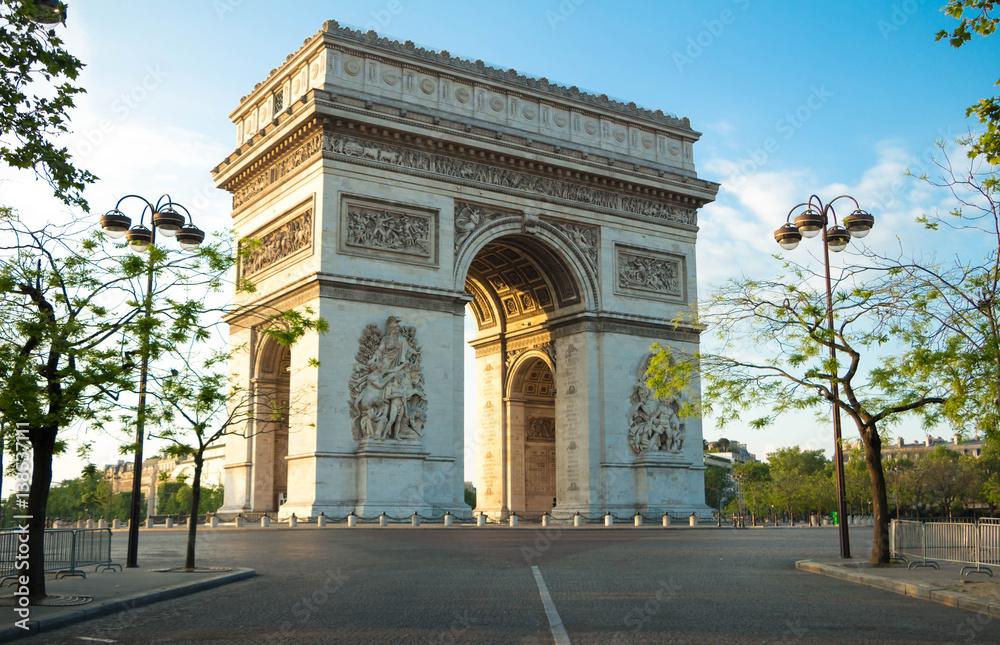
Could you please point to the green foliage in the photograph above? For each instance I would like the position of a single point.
(174, 498)
(470, 498)
(977, 17)
(716, 485)
(88, 496)
(36, 94)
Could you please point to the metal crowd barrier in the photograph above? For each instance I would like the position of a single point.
(65, 551)
(924, 544)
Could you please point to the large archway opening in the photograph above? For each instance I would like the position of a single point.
(270, 428)
(522, 287)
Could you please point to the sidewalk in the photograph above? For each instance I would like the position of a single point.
(977, 592)
(126, 591)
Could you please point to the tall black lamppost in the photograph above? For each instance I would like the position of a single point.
(814, 218)
(165, 218)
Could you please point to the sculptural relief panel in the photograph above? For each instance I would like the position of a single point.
(388, 230)
(650, 274)
(276, 245)
(654, 423)
(387, 397)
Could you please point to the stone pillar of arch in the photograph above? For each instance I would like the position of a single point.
(392, 190)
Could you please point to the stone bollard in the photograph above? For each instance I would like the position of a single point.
(239, 521)
(481, 520)
(447, 519)
(352, 520)
(825, 521)
(265, 521)
(116, 523)
(513, 519)
(383, 520)
(577, 520)
(215, 521)
(293, 521)
(666, 519)
(638, 519)
(90, 524)
(415, 519)
(170, 522)
(321, 520)
(149, 522)
(693, 520)
(101, 524)
(545, 519)
(608, 520)
(813, 520)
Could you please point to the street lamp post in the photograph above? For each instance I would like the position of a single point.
(816, 217)
(165, 218)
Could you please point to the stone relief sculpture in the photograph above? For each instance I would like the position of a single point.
(468, 218)
(654, 424)
(279, 244)
(583, 237)
(541, 428)
(651, 274)
(387, 386)
(391, 231)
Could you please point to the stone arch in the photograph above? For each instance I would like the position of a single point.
(530, 400)
(270, 388)
(569, 265)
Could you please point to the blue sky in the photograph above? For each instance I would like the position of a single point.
(793, 98)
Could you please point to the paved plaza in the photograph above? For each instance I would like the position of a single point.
(437, 585)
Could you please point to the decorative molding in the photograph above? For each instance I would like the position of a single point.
(388, 401)
(650, 274)
(277, 170)
(654, 424)
(503, 178)
(395, 299)
(512, 354)
(278, 244)
(541, 428)
(388, 230)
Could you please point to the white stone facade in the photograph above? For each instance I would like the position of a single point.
(387, 183)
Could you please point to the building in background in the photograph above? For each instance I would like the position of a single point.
(120, 475)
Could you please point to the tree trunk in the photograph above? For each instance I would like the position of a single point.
(199, 459)
(43, 442)
(880, 500)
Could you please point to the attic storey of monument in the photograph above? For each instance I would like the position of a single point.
(392, 188)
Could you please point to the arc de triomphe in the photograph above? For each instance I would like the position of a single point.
(392, 189)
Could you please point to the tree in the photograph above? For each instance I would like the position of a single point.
(788, 369)
(976, 17)
(68, 311)
(947, 479)
(198, 406)
(716, 483)
(753, 481)
(37, 92)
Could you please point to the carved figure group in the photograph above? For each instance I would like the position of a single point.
(387, 386)
(278, 244)
(388, 230)
(654, 424)
(648, 273)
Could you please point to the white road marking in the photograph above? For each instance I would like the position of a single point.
(95, 640)
(555, 622)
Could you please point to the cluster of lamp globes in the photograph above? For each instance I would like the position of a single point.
(812, 222)
(166, 220)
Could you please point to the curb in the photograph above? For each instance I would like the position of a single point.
(126, 603)
(923, 591)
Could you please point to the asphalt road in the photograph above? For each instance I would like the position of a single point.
(435, 585)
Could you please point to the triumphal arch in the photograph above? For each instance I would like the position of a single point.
(395, 190)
